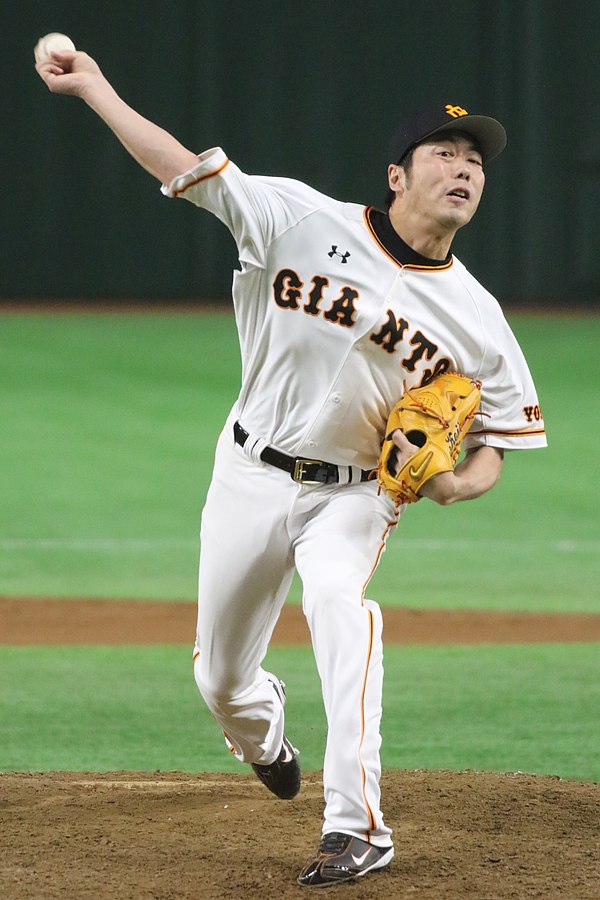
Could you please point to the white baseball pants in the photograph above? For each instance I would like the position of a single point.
(257, 525)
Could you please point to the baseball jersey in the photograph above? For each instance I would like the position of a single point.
(334, 322)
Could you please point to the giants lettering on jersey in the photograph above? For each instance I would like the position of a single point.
(392, 332)
(287, 293)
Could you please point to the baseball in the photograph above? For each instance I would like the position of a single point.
(53, 41)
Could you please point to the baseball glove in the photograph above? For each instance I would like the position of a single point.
(435, 418)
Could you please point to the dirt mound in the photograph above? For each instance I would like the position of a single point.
(172, 835)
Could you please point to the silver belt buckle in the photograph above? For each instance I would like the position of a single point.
(299, 470)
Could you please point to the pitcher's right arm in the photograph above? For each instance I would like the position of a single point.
(77, 74)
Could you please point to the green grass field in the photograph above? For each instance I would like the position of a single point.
(513, 708)
(109, 429)
(109, 425)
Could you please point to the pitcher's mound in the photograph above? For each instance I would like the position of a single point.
(174, 836)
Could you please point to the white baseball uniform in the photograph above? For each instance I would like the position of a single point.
(335, 314)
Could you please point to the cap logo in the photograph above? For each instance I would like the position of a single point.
(455, 111)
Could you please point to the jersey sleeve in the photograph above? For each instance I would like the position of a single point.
(510, 416)
(256, 209)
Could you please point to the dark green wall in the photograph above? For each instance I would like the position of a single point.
(310, 90)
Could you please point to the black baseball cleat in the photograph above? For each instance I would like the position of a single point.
(343, 857)
(282, 776)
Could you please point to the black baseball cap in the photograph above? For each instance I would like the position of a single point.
(489, 133)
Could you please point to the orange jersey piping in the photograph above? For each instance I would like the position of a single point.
(378, 557)
(203, 177)
(372, 821)
(381, 246)
(524, 432)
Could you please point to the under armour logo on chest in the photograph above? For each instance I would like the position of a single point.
(334, 252)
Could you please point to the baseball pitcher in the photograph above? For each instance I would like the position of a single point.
(370, 357)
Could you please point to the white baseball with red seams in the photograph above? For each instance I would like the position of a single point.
(50, 42)
(332, 326)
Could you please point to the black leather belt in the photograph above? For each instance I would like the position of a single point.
(304, 471)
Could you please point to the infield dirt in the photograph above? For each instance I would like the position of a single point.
(173, 836)
(26, 621)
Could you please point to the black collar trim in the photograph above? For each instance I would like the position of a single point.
(395, 248)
